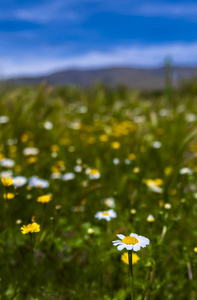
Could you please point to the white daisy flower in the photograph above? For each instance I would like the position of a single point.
(68, 176)
(150, 219)
(30, 151)
(184, 171)
(19, 181)
(6, 174)
(127, 161)
(156, 144)
(93, 173)
(110, 202)
(56, 175)
(156, 189)
(11, 142)
(107, 215)
(116, 161)
(78, 168)
(4, 119)
(48, 125)
(7, 163)
(34, 181)
(83, 109)
(132, 242)
(54, 154)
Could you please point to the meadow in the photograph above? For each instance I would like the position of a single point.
(79, 167)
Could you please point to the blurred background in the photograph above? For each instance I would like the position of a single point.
(39, 38)
(96, 120)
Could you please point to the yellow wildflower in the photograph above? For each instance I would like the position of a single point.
(1, 156)
(161, 203)
(60, 164)
(168, 170)
(131, 156)
(136, 170)
(8, 196)
(125, 258)
(18, 168)
(173, 192)
(24, 138)
(32, 160)
(103, 138)
(33, 219)
(142, 149)
(91, 139)
(115, 145)
(30, 228)
(44, 198)
(54, 148)
(154, 182)
(7, 181)
(54, 169)
(13, 149)
(83, 201)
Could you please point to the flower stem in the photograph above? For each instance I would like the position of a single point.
(11, 226)
(131, 273)
(10, 218)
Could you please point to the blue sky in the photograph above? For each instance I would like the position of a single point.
(39, 37)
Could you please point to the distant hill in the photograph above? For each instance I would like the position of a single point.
(138, 78)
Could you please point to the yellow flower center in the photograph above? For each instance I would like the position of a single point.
(94, 171)
(105, 213)
(130, 240)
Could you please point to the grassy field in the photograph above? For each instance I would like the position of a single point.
(67, 154)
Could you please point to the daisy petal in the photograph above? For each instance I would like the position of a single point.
(121, 236)
(136, 247)
(117, 243)
(120, 247)
(142, 245)
(134, 235)
(144, 240)
(129, 247)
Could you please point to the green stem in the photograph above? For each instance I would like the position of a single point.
(131, 273)
(11, 225)
(32, 247)
(42, 226)
(44, 215)
(9, 214)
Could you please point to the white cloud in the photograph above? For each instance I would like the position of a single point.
(167, 9)
(72, 10)
(41, 12)
(45, 12)
(137, 56)
(184, 10)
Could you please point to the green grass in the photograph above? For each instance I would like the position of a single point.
(115, 131)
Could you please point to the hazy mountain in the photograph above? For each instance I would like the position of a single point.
(131, 77)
